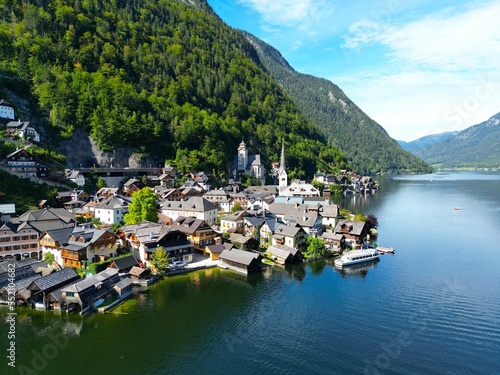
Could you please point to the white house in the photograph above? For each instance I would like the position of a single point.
(198, 207)
(75, 176)
(6, 110)
(112, 209)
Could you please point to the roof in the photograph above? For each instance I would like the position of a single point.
(331, 210)
(114, 202)
(219, 248)
(91, 281)
(196, 204)
(355, 227)
(56, 279)
(282, 251)
(122, 284)
(137, 271)
(60, 235)
(287, 230)
(189, 225)
(239, 256)
(124, 263)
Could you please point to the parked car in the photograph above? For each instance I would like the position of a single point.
(178, 265)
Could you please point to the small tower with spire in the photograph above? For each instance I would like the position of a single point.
(282, 175)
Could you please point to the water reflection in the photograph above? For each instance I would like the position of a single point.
(357, 270)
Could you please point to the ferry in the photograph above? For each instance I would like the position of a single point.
(357, 256)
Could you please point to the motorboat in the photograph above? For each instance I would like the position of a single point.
(357, 256)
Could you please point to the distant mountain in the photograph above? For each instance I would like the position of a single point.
(366, 144)
(428, 140)
(477, 146)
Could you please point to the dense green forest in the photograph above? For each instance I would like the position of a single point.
(366, 144)
(164, 78)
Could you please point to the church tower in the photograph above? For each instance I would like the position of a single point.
(242, 156)
(282, 176)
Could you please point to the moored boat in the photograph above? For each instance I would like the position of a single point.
(357, 256)
(383, 250)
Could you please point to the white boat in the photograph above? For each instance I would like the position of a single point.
(357, 256)
(383, 250)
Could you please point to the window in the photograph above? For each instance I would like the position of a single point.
(70, 294)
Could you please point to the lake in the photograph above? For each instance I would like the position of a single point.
(431, 308)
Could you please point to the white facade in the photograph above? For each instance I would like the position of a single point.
(6, 110)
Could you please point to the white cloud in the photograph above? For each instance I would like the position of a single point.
(437, 73)
(447, 40)
(291, 13)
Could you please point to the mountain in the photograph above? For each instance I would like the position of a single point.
(152, 79)
(428, 140)
(476, 146)
(366, 144)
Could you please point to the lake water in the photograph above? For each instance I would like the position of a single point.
(431, 308)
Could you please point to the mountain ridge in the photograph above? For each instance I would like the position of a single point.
(427, 140)
(366, 144)
(475, 147)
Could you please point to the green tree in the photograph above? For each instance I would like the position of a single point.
(142, 208)
(101, 183)
(159, 260)
(236, 207)
(48, 258)
(315, 248)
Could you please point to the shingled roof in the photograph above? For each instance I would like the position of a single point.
(54, 280)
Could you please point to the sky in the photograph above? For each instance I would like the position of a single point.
(416, 67)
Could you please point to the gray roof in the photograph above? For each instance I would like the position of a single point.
(60, 235)
(331, 210)
(287, 230)
(56, 279)
(239, 256)
(196, 204)
(219, 248)
(282, 251)
(305, 219)
(91, 281)
(122, 284)
(356, 226)
(125, 262)
(114, 202)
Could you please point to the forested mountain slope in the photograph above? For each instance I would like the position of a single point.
(426, 141)
(167, 79)
(477, 146)
(366, 144)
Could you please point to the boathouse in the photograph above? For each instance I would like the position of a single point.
(240, 260)
(40, 288)
(284, 254)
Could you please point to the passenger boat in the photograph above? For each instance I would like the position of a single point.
(357, 256)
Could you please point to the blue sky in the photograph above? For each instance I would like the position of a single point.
(416, 67)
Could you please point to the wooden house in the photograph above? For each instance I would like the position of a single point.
(125, 264)
(213, 251)
(284, 254)
(198, 232)
(240, 260)
(40, 288)
(354, 231)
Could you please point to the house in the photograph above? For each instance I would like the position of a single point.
(23, 269)
(169, 194)
(213, 251)
(131, 186)
(112, 209)
(267, 229)
(307, 217)
(284, 254)
(220, 198)
(240, 260)
(233, 223)
(24, 164)
(143, 240)
(6, 110)
(299, 188)
(198, 232)
(330, 215)
(51, 241)
(75, 176)
(40, 288)
(355, 232)
(198, 207)
(333, 241)
(124, 264)
(7, 210)
(123, 288)
(89, 292)
(289, 235)
(19, 236)
(138, 273)
(108, 192)
(19, 290)
(200, 178)
(240, 241)
(23, 130)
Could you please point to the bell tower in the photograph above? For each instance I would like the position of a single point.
(242, 156)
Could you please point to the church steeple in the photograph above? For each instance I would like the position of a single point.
(282, 175)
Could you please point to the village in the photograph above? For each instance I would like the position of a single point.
(82, 255)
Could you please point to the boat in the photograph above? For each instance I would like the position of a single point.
(384, 250)
(357, 256)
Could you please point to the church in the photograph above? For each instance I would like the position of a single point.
(251, 164)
